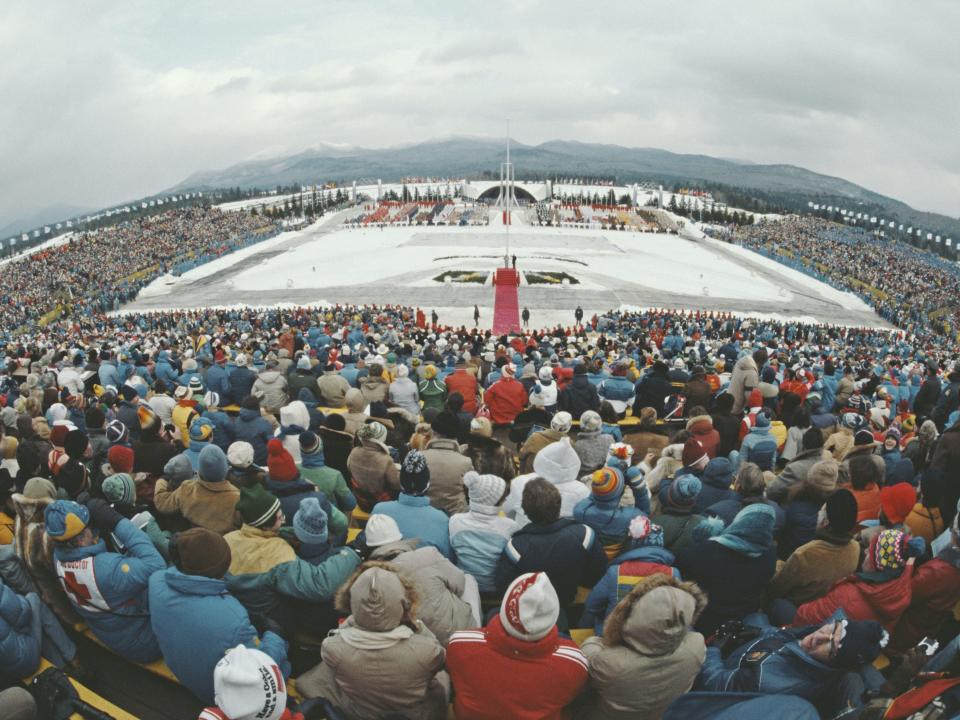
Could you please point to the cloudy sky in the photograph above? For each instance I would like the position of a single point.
(106, 101)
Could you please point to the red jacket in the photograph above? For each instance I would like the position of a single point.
(884, 602)
(701, 427)
(466, 384)
(936, 590)
(496, 676)
(505, 399)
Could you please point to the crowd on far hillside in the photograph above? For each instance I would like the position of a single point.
(649, 514)
(917, 289)
(91, 273)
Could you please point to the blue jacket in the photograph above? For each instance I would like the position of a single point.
(164, 370)
(222, 428)
(253, 428)
(417, 518)
(759, 447)
(616, 388)
(19, 648)
(772, 664)
(608, 518)
(716, 478)
(108, 374)
(739, 706)
(241, 382)
(196, 621)
(109, 590)
(192, 453)
(603, 597)
(218, 381)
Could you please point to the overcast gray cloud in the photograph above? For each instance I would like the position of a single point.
(106, 101)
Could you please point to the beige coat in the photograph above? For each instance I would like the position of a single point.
(333, 387)
(647, 657)
(439, 583)
(373, 474)
(203, 504)
(447, 467)
(745, 377)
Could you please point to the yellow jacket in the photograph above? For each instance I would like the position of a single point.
(255, 550)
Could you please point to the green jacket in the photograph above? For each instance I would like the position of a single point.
(433, 393)
(331, 482)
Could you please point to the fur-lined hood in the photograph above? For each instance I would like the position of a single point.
(654, 618)
(705, 421)
(411, 598)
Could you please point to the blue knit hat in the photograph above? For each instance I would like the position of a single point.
(201, 430)
(763, 418)
(310, 443)
(751, 532)
(310, 522)
(65, 519)
(212, 465)
(681, 494)
(719, 472)
(414, 474)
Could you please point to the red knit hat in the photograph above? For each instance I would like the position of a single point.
(120, 458)
(754, 399)
(693, 452)
(280, 463)
(897, 501)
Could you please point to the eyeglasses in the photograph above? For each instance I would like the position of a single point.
(834, 648)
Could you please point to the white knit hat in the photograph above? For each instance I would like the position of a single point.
(484, 489)
(590, 421)
(240, 454)
(211, 399)
(381, 530)
(562, 422)
(546, 373)
(557, 462)
(530, 607)
(248, 685)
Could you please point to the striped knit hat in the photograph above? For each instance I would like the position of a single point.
(607, 483)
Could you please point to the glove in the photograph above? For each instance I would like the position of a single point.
(102, 516)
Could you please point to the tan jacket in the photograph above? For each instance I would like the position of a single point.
(373, 474)
(447, 467)
(203, 504)
(812, 569)
(255, 550)
(646, 636)
(644, 441)
(333, 387)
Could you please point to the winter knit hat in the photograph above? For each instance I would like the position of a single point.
(201, 430)
(590, 421)
(755, 398)
(530, 607)
(257, 506)
(75, 444)
(481, 426)
(119, 488)
(562, 422)
(280, 463)
(196, 385)
(446, 424)
(694, 453)
(73, 477)
(304, 363)
(65, 519)
(619, 454)
(607, 483)
(823, 476)
(38, 488)
(896, 501)
(557, 463)
(212, 464)
(310, 444)
(117, 432)
(147, 417)
(202, 552)
(248, 685)
(888, 550)
(643, 532)
(374, 432)
(414, 474)
(763, 419)
(120, 458)
(681, 494)
(862, 438)
(178, 469)
(860, 643)
(58, 435)
(842, 511)
(751, 532)
(545, 374)
(853, 421)
(211, 399)
(310, 522)
(381, 530)
(240, 454)
(484, 490)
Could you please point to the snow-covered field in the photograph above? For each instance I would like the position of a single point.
(399, 265)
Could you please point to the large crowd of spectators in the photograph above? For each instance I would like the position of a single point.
(914, 289)
(185, 483)
(96, 272)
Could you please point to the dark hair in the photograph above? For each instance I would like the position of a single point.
(801, 417)
(607, 413)
(541, 501)
(813, 439)
(697, 410)
(455, 402)
(251, 402)
(760, 357)
(725, 402)
(864, 470)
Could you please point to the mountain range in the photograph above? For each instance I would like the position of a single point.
(741, 183)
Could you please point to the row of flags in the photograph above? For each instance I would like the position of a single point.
(882, 224)
(78, 222)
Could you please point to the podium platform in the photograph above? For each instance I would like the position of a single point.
(506, 301)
